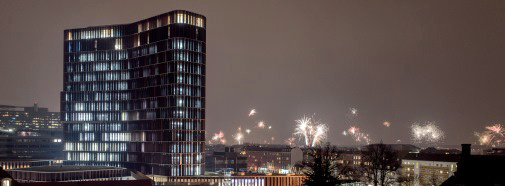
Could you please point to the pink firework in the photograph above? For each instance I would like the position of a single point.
(493, 136)
(218, 138)
(358, 136)
(386, 123)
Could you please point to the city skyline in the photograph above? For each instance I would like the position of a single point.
(401, 63)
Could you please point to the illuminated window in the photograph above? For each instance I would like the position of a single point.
(6, 182)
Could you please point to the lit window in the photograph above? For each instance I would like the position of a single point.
(6, 182)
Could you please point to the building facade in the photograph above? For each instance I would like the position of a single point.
(31, 144)
(429, 169)
(15, 117)
(28, 133)
(225, 160)
(134, 95)
(267, 158)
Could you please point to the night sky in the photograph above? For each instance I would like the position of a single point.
(401, 61)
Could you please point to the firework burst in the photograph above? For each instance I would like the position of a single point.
(261, 124)
(239, 137)
(290, 141)
(252, 112)
(358, 136)
(494, 136)
(311, 130)
(218, 138)
(428, 132)
(386, 123)
(353, 112)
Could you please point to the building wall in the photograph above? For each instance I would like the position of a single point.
(426, 172)
(134, 95)
(14, 117)
(260, 180)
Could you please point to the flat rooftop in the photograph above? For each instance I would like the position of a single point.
(66, 168)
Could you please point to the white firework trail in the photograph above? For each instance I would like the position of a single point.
(252, 112)
(428, 132)
(312, 131)
(239, 137)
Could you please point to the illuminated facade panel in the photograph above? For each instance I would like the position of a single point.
(134, 95)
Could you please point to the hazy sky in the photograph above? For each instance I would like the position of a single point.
(401, 61)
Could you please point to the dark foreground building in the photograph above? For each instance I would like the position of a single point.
(481, 170)
(134, 95)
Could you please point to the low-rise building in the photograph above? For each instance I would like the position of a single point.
(267, 158)
(228, 159)
(429, 169)
(235, 180)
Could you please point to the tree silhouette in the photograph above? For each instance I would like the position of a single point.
(379, 164)
(321, 166)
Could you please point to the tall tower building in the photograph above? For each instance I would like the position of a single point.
(134, 95)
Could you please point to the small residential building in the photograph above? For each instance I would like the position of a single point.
(429, 169)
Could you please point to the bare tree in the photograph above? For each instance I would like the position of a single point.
(321, 167)
(379, 164)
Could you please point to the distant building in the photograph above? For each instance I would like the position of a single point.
(429, 169)
(495, 151)
(228, 159)
(482, 170)
(433, 150)
(267, 158)
(31, 144)
(21, 163)
(29, 136)
(15, 118)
